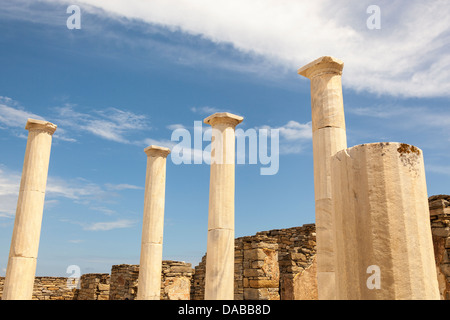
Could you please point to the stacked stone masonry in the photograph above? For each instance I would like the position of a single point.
(50, 288)
(94, 286)
(271, 265)
(440, 226)
(275, 264)
(176, 278)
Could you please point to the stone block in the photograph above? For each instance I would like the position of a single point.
(103, 287)
(264, 283)
(255, 254)
(441, 232)
(254, 273)
(256, 294)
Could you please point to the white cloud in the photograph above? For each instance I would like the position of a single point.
(12, 115)
(296, 131)
(293, 136)
(110, 124)
(122, 186)
(104, 210)
(9, 192)
(105, 226)
(75, 189)
(439, 169)
(78, 190)
(416, 116)
(76, 241)
(175, 126)
(157, 142)
(205, 110)
(406, 56)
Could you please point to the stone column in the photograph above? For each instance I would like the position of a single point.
(23, 253)
(384, 247)
(149, 283)
(329, 136)
(219, 277)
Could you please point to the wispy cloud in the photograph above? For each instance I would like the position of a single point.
(76, 241)
(175, 126)
(78, 190)
(74, 189)
(158, 142)
(110, 225)
(9, 192)
(440, 169)
(122, 186)
(415, 116)
(110, 124)
(104, 210)
(12, 115)
(205, 110)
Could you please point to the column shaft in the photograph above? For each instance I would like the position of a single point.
(384, 246)
(219, 277)
(149, 282)
(329, 136)
(23, 253)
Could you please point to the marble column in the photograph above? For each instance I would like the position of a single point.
(149, 282)
(23, 253)
(329, 136)
(219, 277)
(384, 247)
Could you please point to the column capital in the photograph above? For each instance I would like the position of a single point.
(156, 151)
(40, 125)
(323, 65)
(223, 117)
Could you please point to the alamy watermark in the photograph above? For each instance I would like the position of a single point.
(189, 149)
(73, 281)
(73, 21)
(374, 281)
(374, 20)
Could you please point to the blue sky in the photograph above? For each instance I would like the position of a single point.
(136, 71)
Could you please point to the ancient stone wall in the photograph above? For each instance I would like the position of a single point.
(176, 278)
(198, 281)
(275, 264)
(94, 286)
(296, 252)
(50, 288)
(261, 271)
(440, 228)
(123, 283)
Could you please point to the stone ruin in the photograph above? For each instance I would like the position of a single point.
(371, 214)
(277, 264)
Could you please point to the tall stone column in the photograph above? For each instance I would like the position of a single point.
(219, 277)
(23, 253)
(384, 247)
(149, 282)
(329, 136)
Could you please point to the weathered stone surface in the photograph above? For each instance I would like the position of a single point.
(219, 277)
(256, 294)
(153, 224)
(305, 283)
(382, 221)
(257, 283)
(441, 232)
(178, 288)
(329, 136)
(24, 247)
